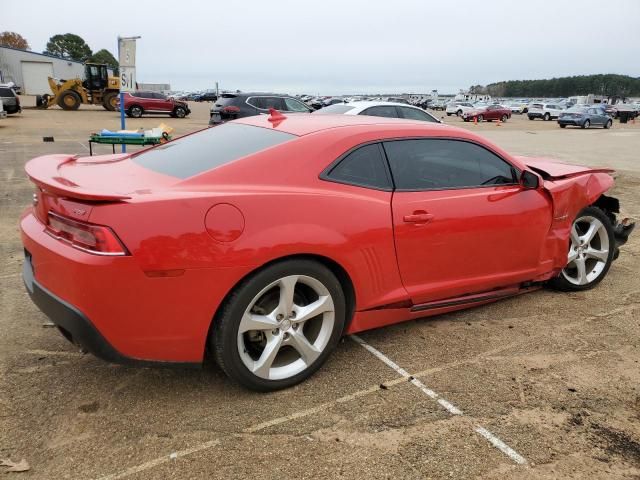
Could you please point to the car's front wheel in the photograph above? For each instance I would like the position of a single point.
(591, 250)
(180, 112)
(280, 325)
(135, 111)
(608, 124)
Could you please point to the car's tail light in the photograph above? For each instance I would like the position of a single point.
(88, 237)
(231, 109)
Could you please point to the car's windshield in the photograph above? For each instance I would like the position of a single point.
(338, 108)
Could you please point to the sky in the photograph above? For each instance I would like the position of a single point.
(347, 46)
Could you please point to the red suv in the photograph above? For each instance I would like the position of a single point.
(138, 103)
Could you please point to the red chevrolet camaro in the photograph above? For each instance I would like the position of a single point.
(262, 241)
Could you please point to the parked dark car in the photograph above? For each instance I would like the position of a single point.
(142, 102)
(585, 117)
(230, 106)
(206, 97)
(10, 101)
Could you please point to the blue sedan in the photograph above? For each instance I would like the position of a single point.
(585, 117)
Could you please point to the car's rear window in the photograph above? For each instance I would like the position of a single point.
(338, 108)
(210, 148)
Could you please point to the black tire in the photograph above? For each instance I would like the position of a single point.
(179, 112)
(586, 124)
(480, 118)
(560, 282)
(459, 112)
(224, 339)
(530, 117)
(109, 101)
(546, 117)
(135, 111)
(609, 124)
(69, 100)
(504, 118)
(448, 114)
(562, 125)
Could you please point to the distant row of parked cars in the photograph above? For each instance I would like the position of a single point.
(230, 106)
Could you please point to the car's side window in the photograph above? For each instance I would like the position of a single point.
(415, 114)
(364, 167)
(265, 103)
(293, 105)
(381, 111)
(439, 164)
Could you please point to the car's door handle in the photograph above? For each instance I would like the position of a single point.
(419, 216)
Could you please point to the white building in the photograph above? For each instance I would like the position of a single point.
(30, 70)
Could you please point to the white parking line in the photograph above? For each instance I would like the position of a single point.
(500, 445)
(159, 461)
(448, 406)
(253, 429)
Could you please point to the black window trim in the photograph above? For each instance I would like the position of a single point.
(514, 170)
(325, 174)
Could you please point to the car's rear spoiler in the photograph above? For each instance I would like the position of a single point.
(44, 172)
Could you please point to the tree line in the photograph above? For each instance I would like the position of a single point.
(66, 45)
(611, 85)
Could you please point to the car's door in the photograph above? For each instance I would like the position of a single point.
(491, 113)
(162, 102)
(388, 111)
(462, 222)
(596, 116)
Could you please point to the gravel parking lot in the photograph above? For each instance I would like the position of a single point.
(553, 378)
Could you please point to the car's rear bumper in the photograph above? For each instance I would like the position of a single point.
(138, 317)
(73, 324)
(575, 123)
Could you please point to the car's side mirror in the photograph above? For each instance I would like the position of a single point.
(529, 180)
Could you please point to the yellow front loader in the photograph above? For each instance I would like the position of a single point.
(98, 88)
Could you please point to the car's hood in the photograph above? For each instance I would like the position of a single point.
(553, 170)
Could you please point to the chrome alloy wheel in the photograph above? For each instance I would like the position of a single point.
(588, 252)
(286, 327)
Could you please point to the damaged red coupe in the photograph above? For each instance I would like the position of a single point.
(260, 242)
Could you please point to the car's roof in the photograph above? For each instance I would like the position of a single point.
(304, 124)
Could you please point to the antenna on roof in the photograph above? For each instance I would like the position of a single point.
(275, 116)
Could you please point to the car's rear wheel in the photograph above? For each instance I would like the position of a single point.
(563, 125)
(586, 124)
(530, 117)
(480, 118)
(135, 111)
(280, 325)
(591, 250)
(504, 118)
(546, 117)
(459, 112)
(608, 124)
(180, 112)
